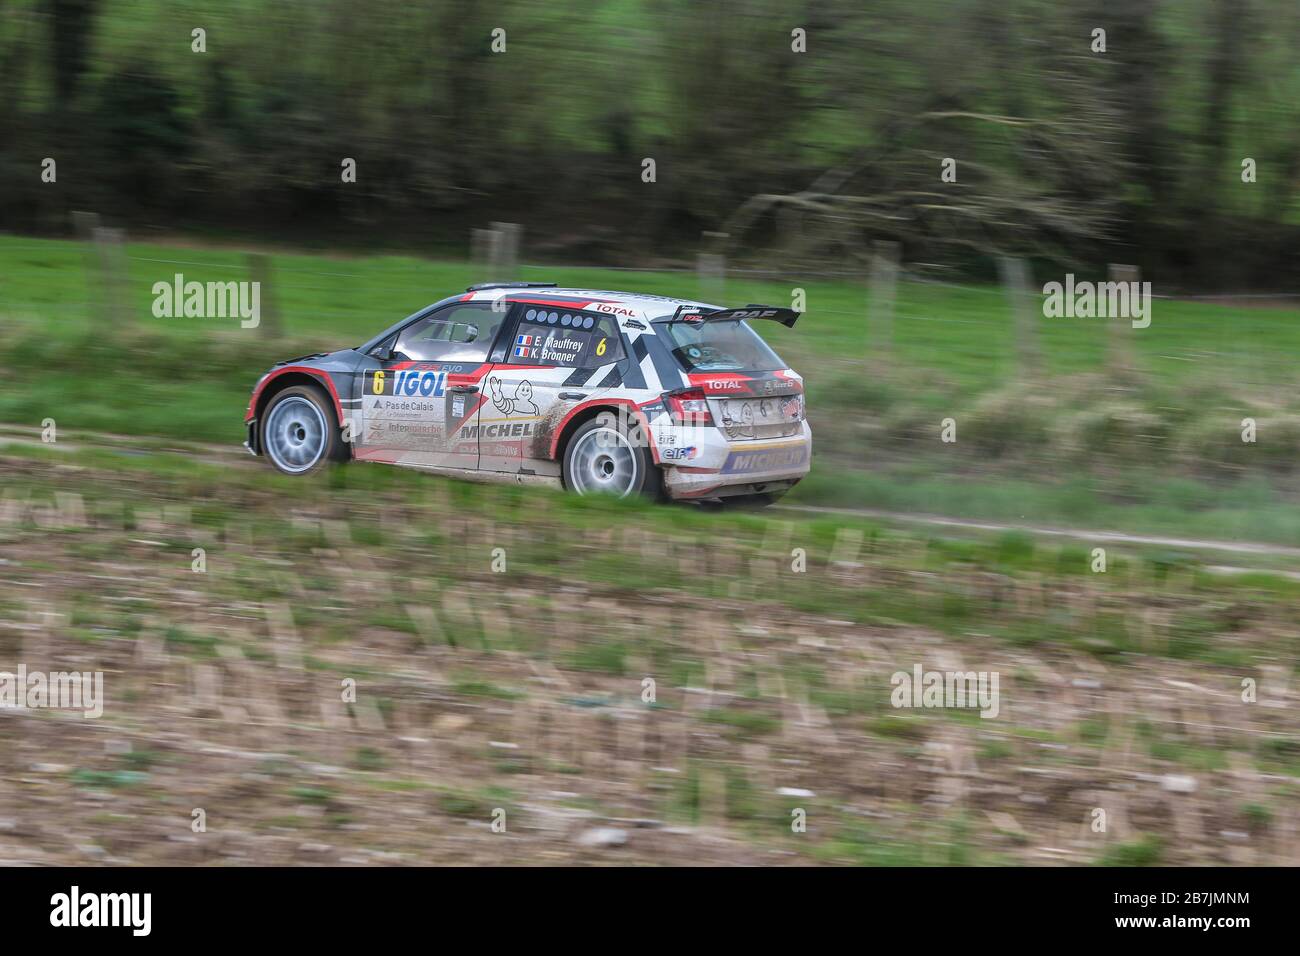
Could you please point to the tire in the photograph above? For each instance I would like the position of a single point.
(299, 434)
(602, 458)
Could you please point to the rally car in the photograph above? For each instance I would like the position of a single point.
(595, 391)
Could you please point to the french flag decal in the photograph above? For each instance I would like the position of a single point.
(522, 342)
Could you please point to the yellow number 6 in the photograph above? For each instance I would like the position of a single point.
(377, 386)
(600, 349)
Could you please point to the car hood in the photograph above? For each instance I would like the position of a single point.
(300, 359)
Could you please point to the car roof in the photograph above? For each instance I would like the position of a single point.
(648, 303)
(643, 304)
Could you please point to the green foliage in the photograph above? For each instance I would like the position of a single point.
(1063, 153)
(1143, 851)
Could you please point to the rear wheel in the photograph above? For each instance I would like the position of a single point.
(604, 457)
(299, 432)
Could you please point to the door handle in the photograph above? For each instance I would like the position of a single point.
(464, 389)
(572, 396)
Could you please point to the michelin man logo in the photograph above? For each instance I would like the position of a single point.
(521, 404)
(742, 427)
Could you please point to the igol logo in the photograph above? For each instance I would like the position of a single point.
(424, 384)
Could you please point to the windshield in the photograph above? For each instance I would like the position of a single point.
(719, 346)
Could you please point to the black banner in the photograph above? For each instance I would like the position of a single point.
(937, 906)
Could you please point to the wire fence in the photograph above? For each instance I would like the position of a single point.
(860, 277)
(338, 294)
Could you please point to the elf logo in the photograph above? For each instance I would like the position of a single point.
(134, 910)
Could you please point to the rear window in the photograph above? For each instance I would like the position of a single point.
(720, 346)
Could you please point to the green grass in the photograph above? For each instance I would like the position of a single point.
(946, 843)
(1142, 851)
(1161, 455)
(963, 335)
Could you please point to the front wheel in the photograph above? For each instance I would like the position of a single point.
(299, 433)
(603, 458)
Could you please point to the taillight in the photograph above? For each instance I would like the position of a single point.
(689, 406)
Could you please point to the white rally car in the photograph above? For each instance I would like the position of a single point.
(598, 391)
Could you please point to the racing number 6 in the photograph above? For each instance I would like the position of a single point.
(600, 347)
(377, 384)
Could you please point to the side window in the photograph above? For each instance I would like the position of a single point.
(457, 333)
(567, 339)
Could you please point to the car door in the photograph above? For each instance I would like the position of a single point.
(421, 389)
(554, 360)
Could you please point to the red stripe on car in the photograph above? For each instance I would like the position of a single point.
(468, 378)
(560, 303)
(607, 402)
(741, 385)
(314, 372)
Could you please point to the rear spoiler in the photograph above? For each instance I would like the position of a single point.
(695, 313)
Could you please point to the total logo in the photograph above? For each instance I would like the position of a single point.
(724, 384)
(611, 309)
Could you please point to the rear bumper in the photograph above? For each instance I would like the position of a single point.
(250, 442)
(776, 488)
(719, 468)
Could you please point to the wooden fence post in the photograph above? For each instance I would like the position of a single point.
(1119, 343)
(711, 268)
(494, 252)
(1015, 279)
(84, 225)
(259, 267)
(110, 253)
(880, 300)
(505, 266)
(480, 249)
